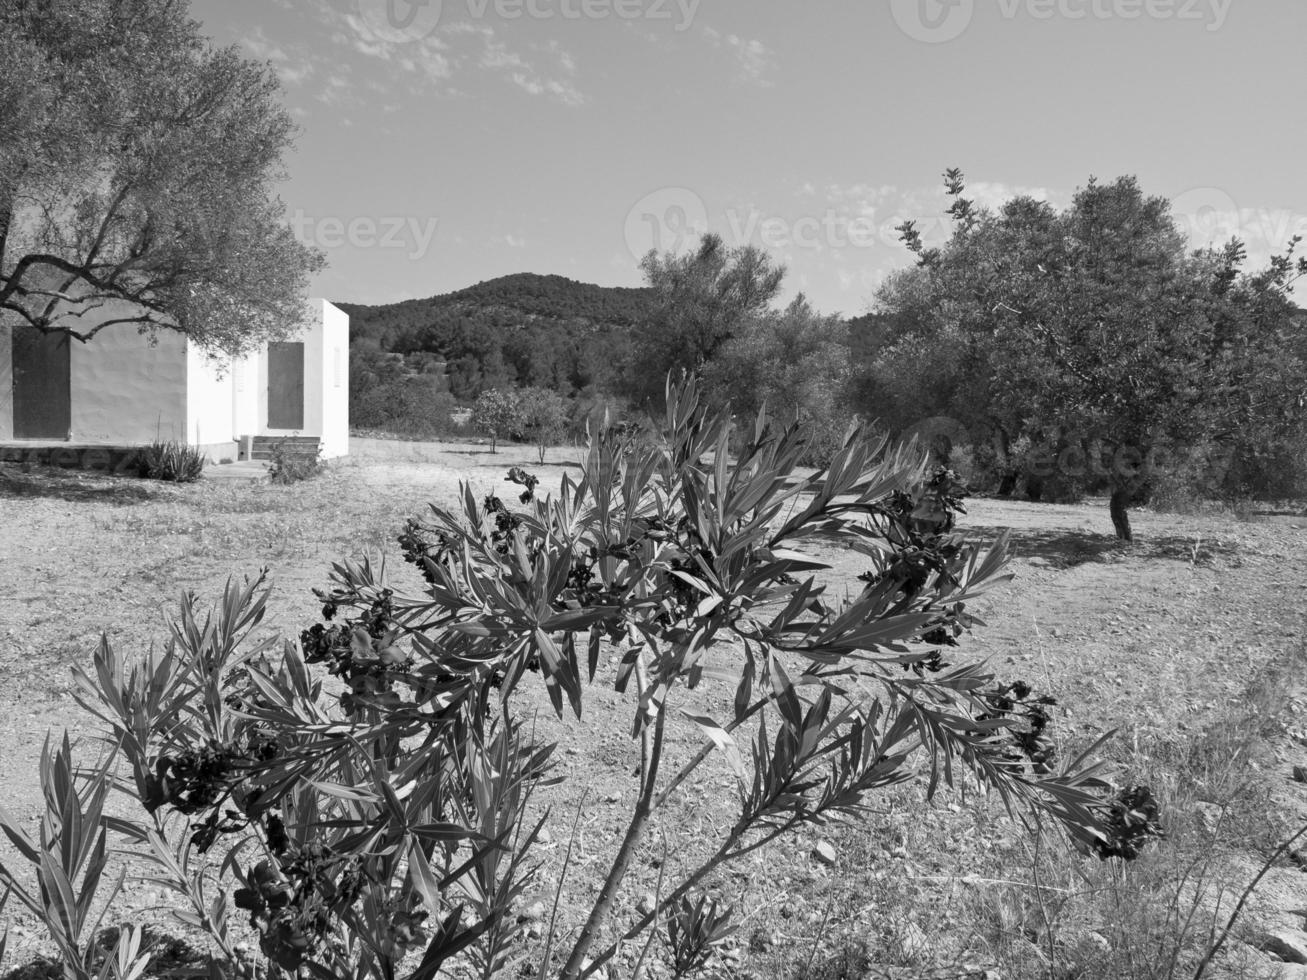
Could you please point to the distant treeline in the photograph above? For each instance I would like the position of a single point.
(1051, 353)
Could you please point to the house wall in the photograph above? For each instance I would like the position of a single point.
(209, 403)
(245, 396)
(127, 390)
(335, 389)
(6, 383)
(325, 336)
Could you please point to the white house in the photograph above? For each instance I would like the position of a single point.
(124, 389)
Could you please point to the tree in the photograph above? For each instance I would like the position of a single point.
(1096, 331)
(701, 301)
(496, 413)
(543, 415)
(796, 363)
(138, 168)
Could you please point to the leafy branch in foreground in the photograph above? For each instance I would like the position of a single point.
(385, 829)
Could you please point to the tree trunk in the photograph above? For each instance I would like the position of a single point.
(1007, 486)
(1120, 516)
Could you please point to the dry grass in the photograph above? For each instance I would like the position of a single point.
(1188, 644)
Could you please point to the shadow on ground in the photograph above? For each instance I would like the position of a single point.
(1067, 549)
(170, 957)
(75, 485)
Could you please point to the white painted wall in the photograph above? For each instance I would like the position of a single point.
(325, 335)
(335, 391)
(127, 388)
(209, 400)
(245, 396)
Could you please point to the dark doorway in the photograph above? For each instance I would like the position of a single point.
(285, 385)
(43, 405)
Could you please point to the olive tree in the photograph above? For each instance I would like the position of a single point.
(138, 167)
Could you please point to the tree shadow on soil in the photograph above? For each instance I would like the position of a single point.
(1068, 549)
(170, 956)
(74, 486)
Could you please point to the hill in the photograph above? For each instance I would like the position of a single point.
(523, 329)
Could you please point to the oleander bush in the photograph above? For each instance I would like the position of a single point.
(381, 821)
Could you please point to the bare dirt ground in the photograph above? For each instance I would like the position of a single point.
(1189, 644)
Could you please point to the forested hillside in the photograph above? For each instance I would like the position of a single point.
(520, 330)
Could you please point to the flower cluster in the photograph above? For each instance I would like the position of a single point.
(1026, 740)
(292, 902)
(1133, 819)
(363, 652)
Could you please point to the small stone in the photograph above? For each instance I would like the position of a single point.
(612, 797)
(824, 853)
(1292, 971)
(533, 931)
(532, 913)
(1209, 816)
(913, 941)
(1289, 945)
(544, 837)
(648, 902)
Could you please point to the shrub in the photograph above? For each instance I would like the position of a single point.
(287, 467)
(543, 417)
(498, 414)
(417, 407)
(396, 822)
(68, 859)
(172, 461)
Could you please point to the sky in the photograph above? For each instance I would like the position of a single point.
(447, 142)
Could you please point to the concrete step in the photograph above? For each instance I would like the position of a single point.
(293, 447)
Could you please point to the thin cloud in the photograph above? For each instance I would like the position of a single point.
(292, 67)
(496, 56)
(752, 59)
(437, 58)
